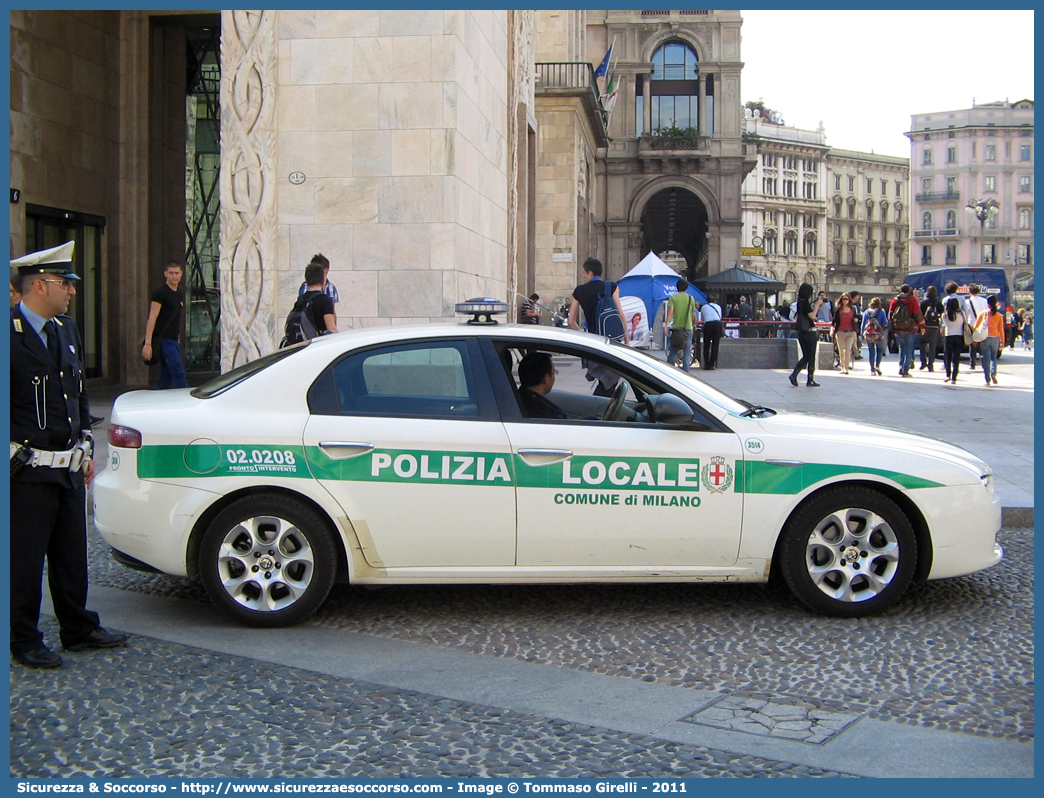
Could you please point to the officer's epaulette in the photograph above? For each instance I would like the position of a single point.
(17, 325)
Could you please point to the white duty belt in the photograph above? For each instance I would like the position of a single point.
(72, 459)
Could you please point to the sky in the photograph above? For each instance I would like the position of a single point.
(864, 73)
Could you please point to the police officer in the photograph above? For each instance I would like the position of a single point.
(51, 464)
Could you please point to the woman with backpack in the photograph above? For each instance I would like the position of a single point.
(932, 310)
(953, 324)
(875, 321)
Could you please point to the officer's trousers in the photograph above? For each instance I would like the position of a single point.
(48, 520)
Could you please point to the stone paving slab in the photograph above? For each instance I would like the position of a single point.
(163, 709)
(590, 699)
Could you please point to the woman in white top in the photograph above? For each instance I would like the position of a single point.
(952, 326)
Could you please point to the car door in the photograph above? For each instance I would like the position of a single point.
(631, 494)
(407, 439)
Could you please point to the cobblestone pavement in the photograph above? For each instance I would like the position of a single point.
(162, 709)
(954, 655)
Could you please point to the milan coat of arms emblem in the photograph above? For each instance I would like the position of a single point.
(717, 476)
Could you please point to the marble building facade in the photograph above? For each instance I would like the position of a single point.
(433, 156)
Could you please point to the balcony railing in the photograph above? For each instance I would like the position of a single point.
(647, 14)
(942, 233)
(674, 142)
(939, 196)
(565, 77)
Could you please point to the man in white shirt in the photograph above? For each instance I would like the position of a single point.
(973, 306)
(710, 316)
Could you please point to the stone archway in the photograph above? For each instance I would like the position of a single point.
(676, 214)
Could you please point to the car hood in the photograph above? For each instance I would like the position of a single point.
(835, 432)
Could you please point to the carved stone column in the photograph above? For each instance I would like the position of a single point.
(248, 186)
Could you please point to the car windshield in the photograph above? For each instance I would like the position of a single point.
(708, 392)
(247, 370)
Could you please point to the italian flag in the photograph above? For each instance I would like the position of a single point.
(609, 98)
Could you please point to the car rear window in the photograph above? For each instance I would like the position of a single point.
(244, 372)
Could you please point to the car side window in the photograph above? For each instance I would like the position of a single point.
(579, 389)
(423, 380)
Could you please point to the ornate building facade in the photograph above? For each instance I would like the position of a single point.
(836, 219)
(432, 156)
(671, 176)
(958, 158)
(868, 222)
(785, 206)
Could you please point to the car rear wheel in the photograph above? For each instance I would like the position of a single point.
(850, 552)
(267, 561)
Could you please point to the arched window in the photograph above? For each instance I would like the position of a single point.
(675, 88)
(790, 278)
(951, 221)
(898, 213)
(770, 242)
(869, 210)
(810, 245)
(837, 207)
(884, 211)
(810, 278)
(926, 220)
(790, 243)
(851, 256)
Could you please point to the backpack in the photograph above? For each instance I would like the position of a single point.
(873, 332)
(931, 314)
(900, 317)
(299, 325)
(607, 320)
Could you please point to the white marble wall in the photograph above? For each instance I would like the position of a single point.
(398, 122)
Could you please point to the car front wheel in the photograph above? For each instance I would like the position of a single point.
(267, 561)
(850, 552)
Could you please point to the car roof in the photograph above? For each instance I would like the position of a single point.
(405, 332)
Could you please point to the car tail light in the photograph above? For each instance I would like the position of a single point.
(124, 437)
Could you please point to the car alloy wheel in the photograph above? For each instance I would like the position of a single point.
(850, 552)
(268, 560)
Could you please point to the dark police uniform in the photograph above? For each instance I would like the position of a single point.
(49, 412)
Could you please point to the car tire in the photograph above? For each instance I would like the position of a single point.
(268, 560)
(849, 552)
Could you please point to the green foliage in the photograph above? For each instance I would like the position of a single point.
(675, 132)
(769, 115)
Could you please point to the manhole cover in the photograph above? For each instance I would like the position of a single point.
(804, 720)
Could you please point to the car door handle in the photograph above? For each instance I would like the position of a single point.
(539, 457)
(342, 450)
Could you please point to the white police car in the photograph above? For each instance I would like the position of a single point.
(402, 455)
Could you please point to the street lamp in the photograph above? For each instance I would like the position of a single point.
(982, 209)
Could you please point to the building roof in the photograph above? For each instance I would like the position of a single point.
(740, 280)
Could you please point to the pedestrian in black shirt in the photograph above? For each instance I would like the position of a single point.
(163, 329)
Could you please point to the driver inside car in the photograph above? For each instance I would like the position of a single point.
(536, 373)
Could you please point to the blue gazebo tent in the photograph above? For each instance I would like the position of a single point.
(653, 281)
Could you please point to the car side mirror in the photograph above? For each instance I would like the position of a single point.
(670, 410)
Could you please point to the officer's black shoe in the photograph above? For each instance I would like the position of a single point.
(99, 638)
(96, 420)
(40, 657)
